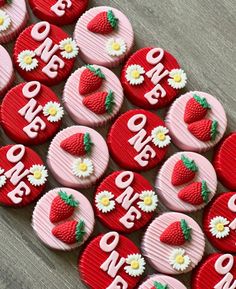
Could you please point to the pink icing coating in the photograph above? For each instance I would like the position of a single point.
(60, 162)
(73, 100)
(180, 135)
(163, 279)
(169, 193)
(43, 227)
(19, 16)
(158, 253)
(93, 46)
(6, 70)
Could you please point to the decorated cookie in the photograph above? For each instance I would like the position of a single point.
(173, 243)
(31, 113)
(125, 201)
(104, 35)
(111, 261)
(224, 161)
(186, 182)
(44, 52)
(219, 222)
(22, 175)
(152, 78)
(93, 95)
(197, 121)
(59, 12)
(63, 219)
(140, 136)
(161, 282)
(13, 19)
(78, 157)
(6, 71)
(217, 271)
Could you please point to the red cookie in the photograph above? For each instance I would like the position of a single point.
(219, 222)
(59, 12)
(152, 78)
(225, 161)
(125, 201)
(217, 271)
(31, 113)
(138, 140)
(111, 261)
(22, 175)
(44, 52)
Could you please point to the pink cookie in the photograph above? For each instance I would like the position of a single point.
(60, 235)
(173, 243)
(186, 182)
(78, 157)
(104, 36)
(197, 121)
(6, 71)
(161, 282)
(93, 105)
(15, 17)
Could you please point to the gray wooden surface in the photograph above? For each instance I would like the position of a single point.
(201, 34)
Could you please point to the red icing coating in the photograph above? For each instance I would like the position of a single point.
(225, 161)
(73, 9)
(219, 207)
(123, 152)
(111, 219)
(135, 93)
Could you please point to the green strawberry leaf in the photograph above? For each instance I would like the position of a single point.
(214, 130)
(95, 71)
(205, 192)
(202, 101)
(80, 231)
(159, 285)
(112, 19)
(9, 1)
(87, 142)
(189, 164)
(68, 199)
(109, 103)
(186, 230)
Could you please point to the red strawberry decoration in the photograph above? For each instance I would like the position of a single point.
(62, 207)
(78, 144)
(3, 2)
(70, 232)
(204, 130)
(100, 102)
(90, 80)
(176, 234)
(103, 23)
(196, 109)
(184, 171)
(158, 285)
(195, 194)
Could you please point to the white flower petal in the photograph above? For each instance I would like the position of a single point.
(222, 222)
(182, 78)
(120, 44)
(21, 60)
(136, 265)
(3, 181)
(160, 130)
(82, 168)
(99, 201)
(185, 259)
(6, 21)
(53, 106)
(139, 70)
(38, 176)
(73, 48)
(148, 201)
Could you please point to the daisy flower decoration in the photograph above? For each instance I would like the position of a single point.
(82, 168)
(116, 47)
(179, 260)
(160, 136)
(3, 179)
(69, 48)
(148, 201)
(53, 111)
(5, 21)
(38, 176)
(134, 74)
(104, 201)
(218, 227)
(27, 60)
(136, 265)
(177, 78)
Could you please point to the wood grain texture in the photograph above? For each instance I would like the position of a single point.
(201, 35)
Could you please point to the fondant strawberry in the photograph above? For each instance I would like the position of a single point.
(70, 232)
(184, 171)
(195, 194)
(90, 80)
(100, 102)
(103, 23)
(78, 144)
(196, 109)
(158, 285)
(204, 130)
(62, 207)
(176, 234)
(3, 2)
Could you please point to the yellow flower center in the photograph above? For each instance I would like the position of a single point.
(116, 46)
(105, 201)
(28, 59)
(134, 264)
(1, 20)
(68, 48)
(161, 136)
(179, 259)
(147, 201)
(52, 111)
(135, 74)
(220, 227)
(83, 167)
(37, 175)
(177, 78)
